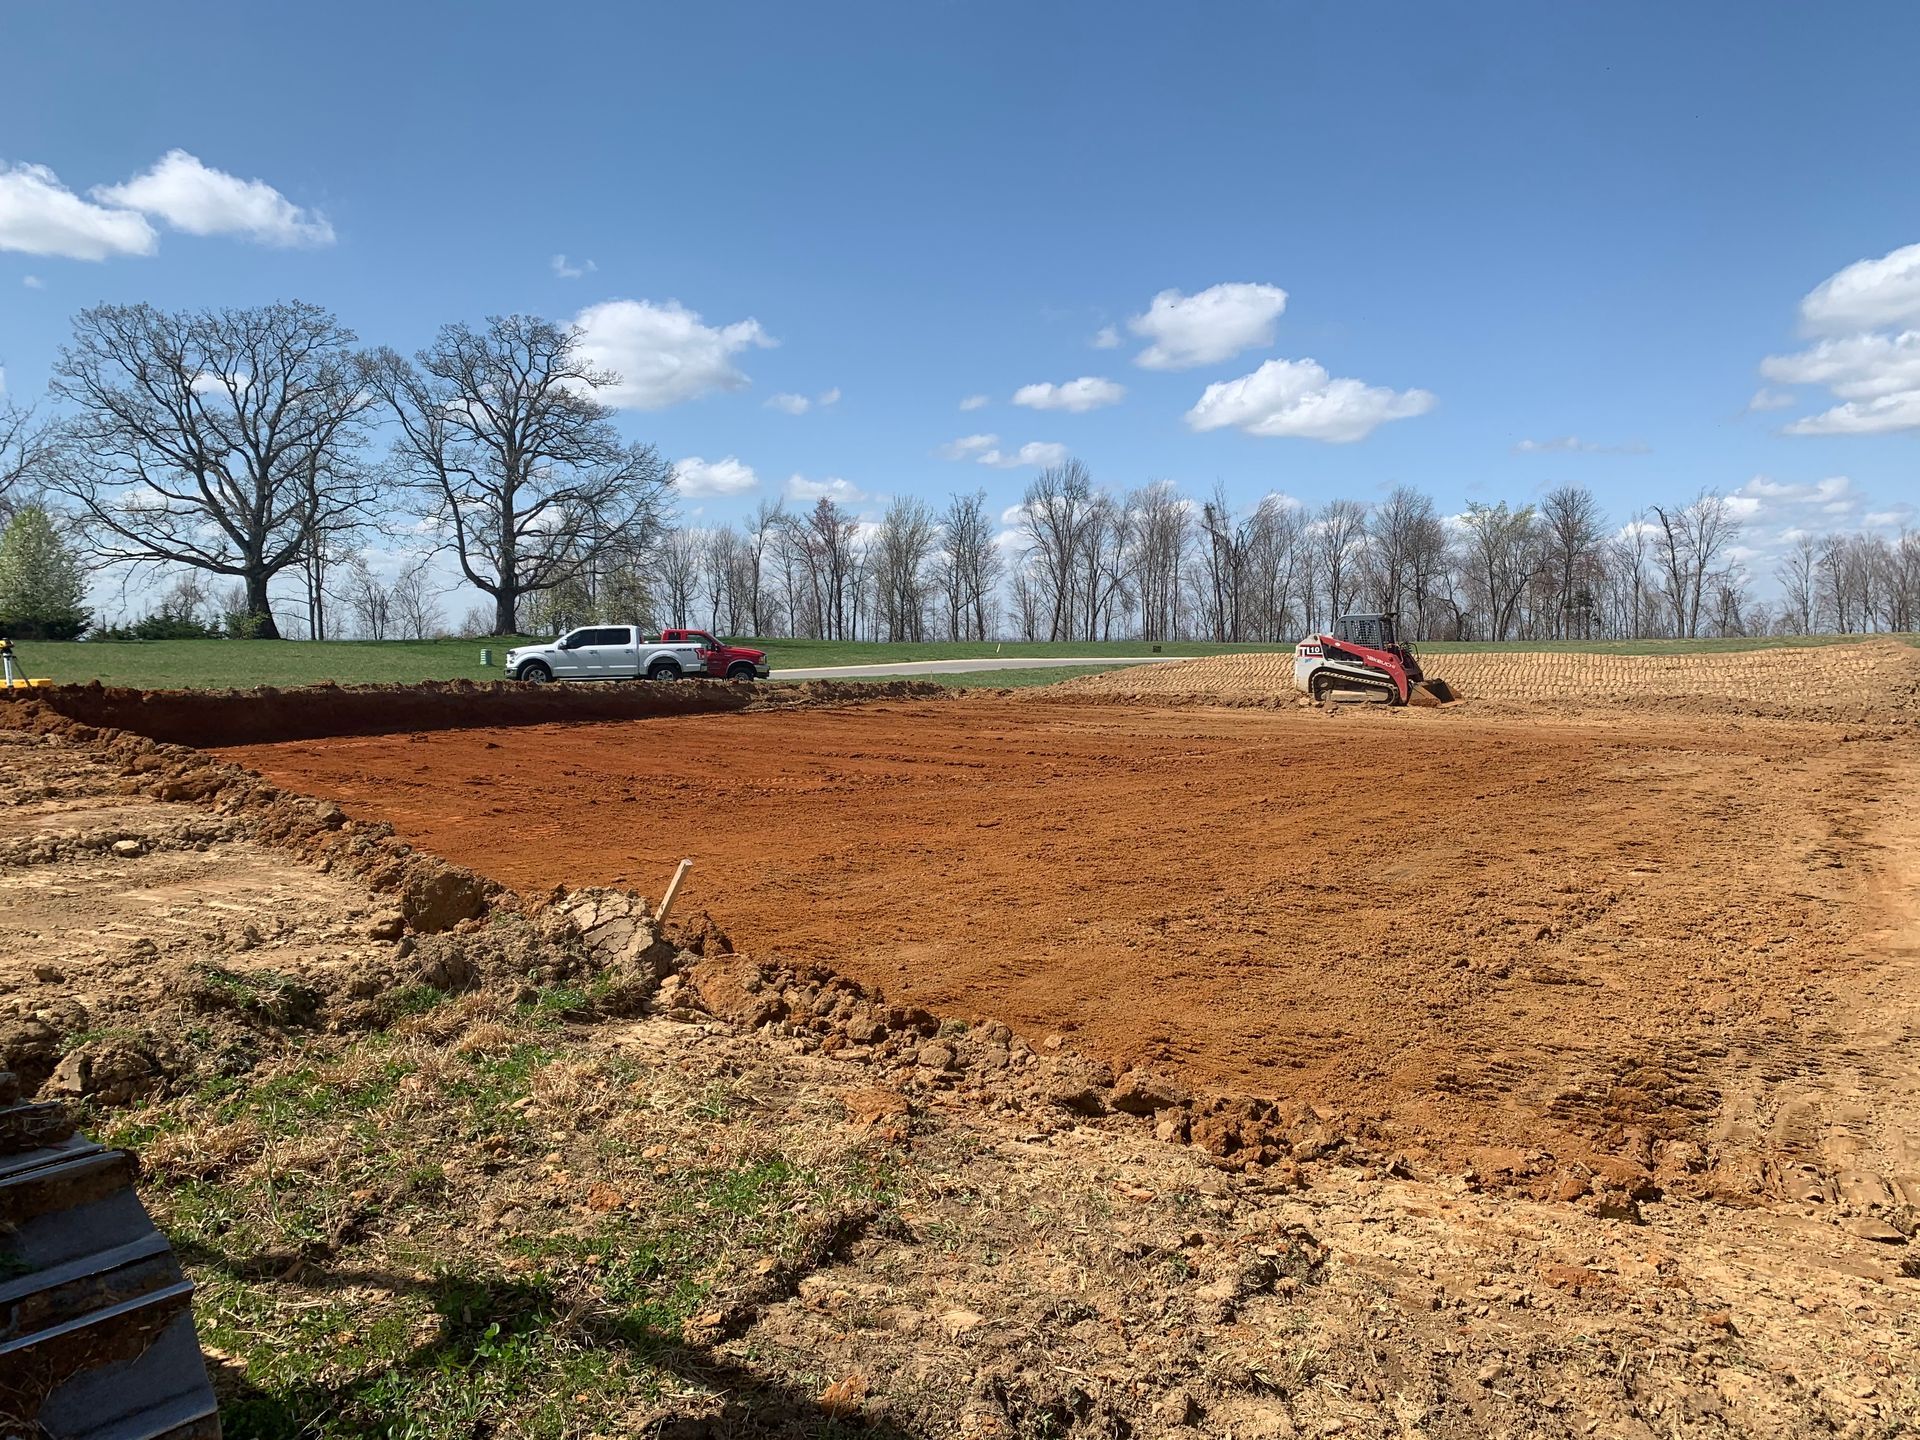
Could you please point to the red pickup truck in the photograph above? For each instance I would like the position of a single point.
(723, 662)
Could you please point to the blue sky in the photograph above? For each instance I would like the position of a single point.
(1509, 223)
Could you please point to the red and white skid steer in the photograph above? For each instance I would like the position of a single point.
(1364, 660)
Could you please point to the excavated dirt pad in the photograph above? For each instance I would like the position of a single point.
(1873, 680)
(1482, 931)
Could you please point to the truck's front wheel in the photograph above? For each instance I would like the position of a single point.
(534, 673)
(663, 670)
(742, 670)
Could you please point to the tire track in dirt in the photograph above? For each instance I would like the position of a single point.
(1878, 679)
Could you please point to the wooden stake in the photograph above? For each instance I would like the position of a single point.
(673, 889)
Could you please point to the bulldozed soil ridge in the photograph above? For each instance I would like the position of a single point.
(238, 717)
(1877, 680)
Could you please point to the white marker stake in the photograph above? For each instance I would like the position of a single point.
(673, 889)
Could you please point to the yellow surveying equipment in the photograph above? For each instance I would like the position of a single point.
(12, 677)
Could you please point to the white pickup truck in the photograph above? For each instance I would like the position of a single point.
(603, 652)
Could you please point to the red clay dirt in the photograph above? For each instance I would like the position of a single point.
(1472, 929)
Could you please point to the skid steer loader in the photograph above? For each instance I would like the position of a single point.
(1363, 659)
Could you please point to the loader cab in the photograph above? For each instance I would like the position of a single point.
(1377, 632)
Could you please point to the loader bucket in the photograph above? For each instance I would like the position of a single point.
(1431, 693)
(96, 1324)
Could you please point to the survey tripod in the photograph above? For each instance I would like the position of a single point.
(11, 675)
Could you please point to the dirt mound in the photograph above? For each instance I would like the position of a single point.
(1871, 680)
(242, 717)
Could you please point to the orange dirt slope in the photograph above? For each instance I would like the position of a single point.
(1475, 928)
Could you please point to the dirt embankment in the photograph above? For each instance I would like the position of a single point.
(1872, 680)
(1569, 940)
(822, 1203)
(241, 717)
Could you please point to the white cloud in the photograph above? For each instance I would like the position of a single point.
(1865, 361)
(1777, 510)
(663, 354)
(1855, 367)
(727, 476)
(1035, 453)
(1574, 445)
(33, 282)
(1864, 417)
(1089, 392)
(1298, 398)
(975, 402)
(1867, 295)
(564, 270)
(968, 445)
(985, 450)
(793, 404)
(40, 216)
(1204, 329)
(1775, 514)
(200, 200)
(841, 492)
(1107, 337)
(1766, 399)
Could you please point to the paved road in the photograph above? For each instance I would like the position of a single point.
(961, 667)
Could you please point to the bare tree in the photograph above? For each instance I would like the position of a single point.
(825, 544)
(515, 460)
(218, 440)
(1053, 515)
(1163, 526)
(1903, 612)
(719, 568)
(1688, 543)
(1276, 571)
(414, 610)
(1029, 604)
(902, 552)
(368, 599)
(26, 453)
(677, 567)
(1572, 528)
(1226, 550)
(1340, 533)
(1502, 558)
(1799, 577)
(1401, 528)
(762, 533)
(968, 566)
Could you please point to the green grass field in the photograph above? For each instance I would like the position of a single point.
(243, 664)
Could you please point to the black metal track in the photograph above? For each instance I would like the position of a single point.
(96, 1319)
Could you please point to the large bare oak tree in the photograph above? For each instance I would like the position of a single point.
(517, 463)
(219, 440)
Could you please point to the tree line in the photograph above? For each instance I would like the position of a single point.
(233, 447)
(234, 450)
(1077, 561)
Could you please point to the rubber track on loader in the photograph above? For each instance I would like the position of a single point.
(1380, 686)
(96, 1319)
